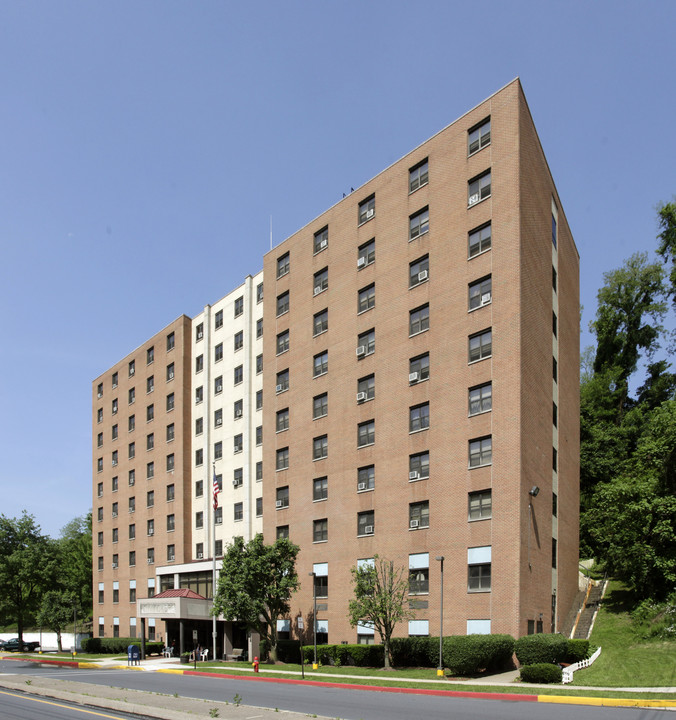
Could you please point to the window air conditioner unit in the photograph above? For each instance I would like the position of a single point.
(414, 523)
(238, 413)
(370, 213)
(170, 558)
(360, 263)
(361, 486)
(473, 199)
(236, 483)
(368, 530)
(114, 514)
(422, 275)
(200, 335)
(413, 475)
(200, 556)
(318, 289)
(131, 372)
(150, 561)
(323, 244)
(219, 422)
(114, 566)
(485, 298)
(279, 503)
(279, 388)
(361, 396)
(361, 350)
(151, 532)
(413, 377)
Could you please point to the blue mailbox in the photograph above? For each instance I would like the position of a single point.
(133, 655)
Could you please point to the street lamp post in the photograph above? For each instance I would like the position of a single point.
(314, 617)
(440, 669)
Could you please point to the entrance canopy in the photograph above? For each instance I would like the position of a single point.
(174, 605)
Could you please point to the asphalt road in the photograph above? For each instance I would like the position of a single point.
(329, 702)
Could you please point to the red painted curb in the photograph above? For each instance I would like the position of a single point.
(67, 663)
(374, 688)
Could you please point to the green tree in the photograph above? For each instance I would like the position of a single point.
(667, 242)
(380, 599)
(255, 585)
(75, 556)
(28, 563)
(57, 611)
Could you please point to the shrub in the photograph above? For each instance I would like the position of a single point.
(541, 673)
(118, 646)
(468, 654)
(356, 655)
(577, 650)
(542, 648)
(415, 651)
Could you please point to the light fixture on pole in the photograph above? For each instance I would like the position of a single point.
(314, 617)
(440, 669)
(533, 492)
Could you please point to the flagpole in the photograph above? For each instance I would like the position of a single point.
(213, 557)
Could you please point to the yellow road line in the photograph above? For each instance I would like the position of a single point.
(62, 705)
(605, 702)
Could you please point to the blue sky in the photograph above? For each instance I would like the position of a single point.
(145, 144)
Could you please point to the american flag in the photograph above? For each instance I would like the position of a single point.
(216, 491)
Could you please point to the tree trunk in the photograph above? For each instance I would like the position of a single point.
(386, 648)
(58, 640)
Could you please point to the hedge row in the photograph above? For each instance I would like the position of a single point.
(355, 655)
(532, 649)
(116, 646)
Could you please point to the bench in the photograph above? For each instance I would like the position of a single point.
(236, 655)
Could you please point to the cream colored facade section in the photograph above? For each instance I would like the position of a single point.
(226, 341)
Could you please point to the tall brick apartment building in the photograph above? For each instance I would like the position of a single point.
(419, 366)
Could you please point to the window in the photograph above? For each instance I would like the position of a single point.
(554, 460)
(282, 342)
(480, 399)
(150, 413)
(170, 402)
(480, 452)
(99, 514)
(418, 176)
(366, 298)
(554, 278)
(554, 324)
(171, 341)
(419, 515)
(366, 433)
(114, 484)
(132, 478)
(282, 497)
(132, 450)
(419, 417)
(419, 573)
(151, 527)
(320, 447)
(480, 293)
(171, 492)
(238, 512)
(238, 409)
(367, 209)
(555, 504)
(239, 306)
(418, 224)
(114, 407)
(170, 372)
(554, 232)
(218, 450)
(259, 364)
(99, 491)
(239, 340)
(320, 489)
(116, 535)
(419, 368)
(282, 381)
(282, 531)
(320, 364)
(366, 478)
(218, 417)
(170, 432)
(320, 405)
(199, 550)
(99, 465)
(199, 426)
(479, 188)
(199, 488)
(150, 355)
(259, 293)
(99, 415)
(320, 533)
(283, 264)
(321, 322)
(115, 380)
(282, 459)
(114, 458)
(132, 529)
(554, 552)
(199, 456)
(218, 319)
(419, 320)
(238, 443)
(282, 420)
(150, 498)
(321, 241)
(419, 271)
(199, 394)
(479, 136)
(237, 477)
(321, 281)
(116, 584)
(479, 240)
(283, 303)
(418, 628)
(99, 440)
(366, 343)
(259, 435)
(419, 466)
(132, 368)
(114, 432)
(555, 415)
(479, 505)
(366, 388)
(366, 522)
(171, 523)
(99, 390)
(259, 328)
(480, 345)
(150, 384)
(171, 553)
(259, 507)
(199, 332)
(479, 569)
(150, 441)
(259, 471)
(366, 254)
(131, 423)
(218, 352)
(218, 516)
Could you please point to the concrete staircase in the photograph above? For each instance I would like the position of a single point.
(584, 624)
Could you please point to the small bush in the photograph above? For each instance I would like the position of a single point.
(415, 651)
(338, 655)
(541, 673)
(577, 650)
(542, 648)
(468, 654)
(118, 646)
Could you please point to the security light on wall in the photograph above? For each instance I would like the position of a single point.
(534, 490)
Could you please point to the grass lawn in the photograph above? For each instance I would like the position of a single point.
(626, 660)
